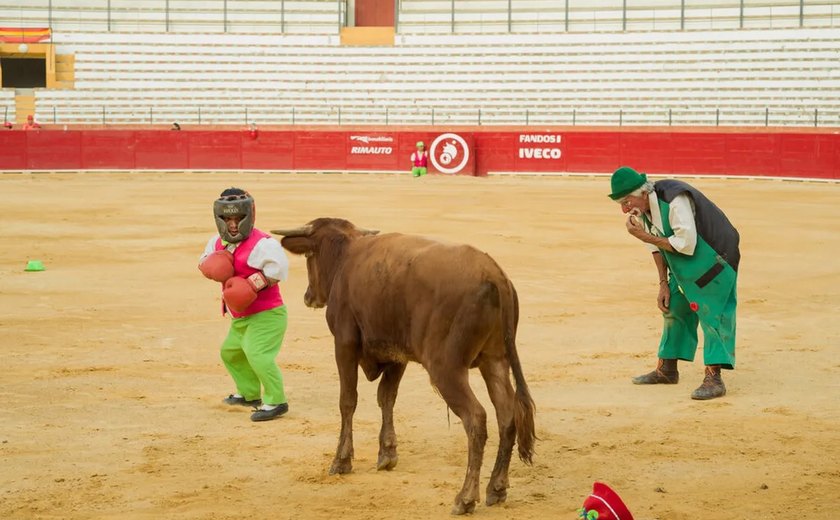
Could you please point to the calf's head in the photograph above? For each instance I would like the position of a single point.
(324, 242)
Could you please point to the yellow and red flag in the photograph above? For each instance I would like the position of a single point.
(24, 34)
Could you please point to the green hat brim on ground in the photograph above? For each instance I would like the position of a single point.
(625, 181)
(34, 265)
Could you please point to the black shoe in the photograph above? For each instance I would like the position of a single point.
(712, 386)
(240, 401)
(665, 374)
(267, 415)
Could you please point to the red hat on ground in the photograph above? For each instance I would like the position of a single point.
(606, 503)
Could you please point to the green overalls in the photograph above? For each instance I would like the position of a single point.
(706, 280)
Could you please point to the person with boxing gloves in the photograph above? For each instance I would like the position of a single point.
(249, 263)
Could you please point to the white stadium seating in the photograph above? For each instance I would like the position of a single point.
(541, 16)
(191, 16)
(7, 102)
(245, 63)
(416, 16)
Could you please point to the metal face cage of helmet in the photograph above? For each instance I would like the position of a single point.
(238, 204)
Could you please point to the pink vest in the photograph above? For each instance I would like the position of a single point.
(267, 298)
(421, 159)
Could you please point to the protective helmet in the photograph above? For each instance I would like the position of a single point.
(234, 202)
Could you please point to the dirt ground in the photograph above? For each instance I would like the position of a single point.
(112, 382)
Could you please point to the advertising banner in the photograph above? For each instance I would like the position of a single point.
(372, 150)
(452, 154)
(478, 151)
(539, 151)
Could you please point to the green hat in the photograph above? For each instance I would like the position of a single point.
(420, 143)
(625, 181)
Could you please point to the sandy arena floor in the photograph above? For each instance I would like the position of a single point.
(111, 379)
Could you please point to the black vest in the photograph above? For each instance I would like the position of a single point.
(711, 222)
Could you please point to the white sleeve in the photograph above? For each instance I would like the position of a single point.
(681, 218)
(211, 246)
(649, 228)
(268, 256)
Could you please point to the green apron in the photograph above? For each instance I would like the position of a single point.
(707, 281)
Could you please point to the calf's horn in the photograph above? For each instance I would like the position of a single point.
(299, 232)
(364, 231)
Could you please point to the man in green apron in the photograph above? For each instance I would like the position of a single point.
(695, 250)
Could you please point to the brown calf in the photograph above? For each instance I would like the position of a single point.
(397, 298)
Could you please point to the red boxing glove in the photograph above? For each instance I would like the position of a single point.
(238, 294)
(218, 266)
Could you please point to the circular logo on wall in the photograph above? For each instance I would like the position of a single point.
(449, 153)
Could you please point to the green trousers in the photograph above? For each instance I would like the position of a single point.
(679, 335)
(249, 353)
(417, 171)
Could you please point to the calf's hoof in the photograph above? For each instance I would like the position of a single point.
(495, 497)
(341, 467)
(387, 462)
(463, 508)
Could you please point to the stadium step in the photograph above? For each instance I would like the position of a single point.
(369, 36)
(24, 104)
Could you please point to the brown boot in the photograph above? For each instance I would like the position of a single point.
(665, 374)
(712, 385)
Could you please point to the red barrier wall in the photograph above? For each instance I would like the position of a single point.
(466, 151)
(781, 154)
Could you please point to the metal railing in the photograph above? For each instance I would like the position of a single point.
(580, 16)
(278, 16)
(328, 16)
(803, 116)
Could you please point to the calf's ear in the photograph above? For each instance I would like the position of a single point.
(298, 245)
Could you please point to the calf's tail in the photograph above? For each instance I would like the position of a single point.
(524, 408)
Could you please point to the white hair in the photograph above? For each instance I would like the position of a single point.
(645, 188)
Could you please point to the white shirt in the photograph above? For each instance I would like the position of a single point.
(267, 256)
(681, 219)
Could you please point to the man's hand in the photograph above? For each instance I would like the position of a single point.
(663, 300)
(635, 227)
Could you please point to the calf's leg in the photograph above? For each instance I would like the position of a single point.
(496, 376)
(455, 389)
(387, 396)
(347, 360)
